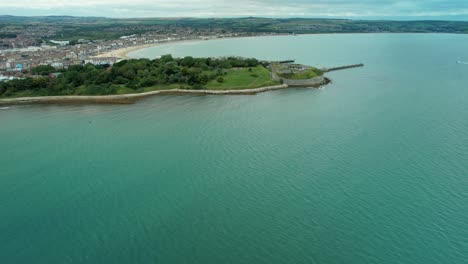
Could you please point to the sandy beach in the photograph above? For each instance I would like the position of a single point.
(122, 53)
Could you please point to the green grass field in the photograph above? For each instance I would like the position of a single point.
(242, 78)
(237, 78)
(307, 74)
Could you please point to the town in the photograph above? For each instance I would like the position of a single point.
(22, 55)
(61, 41)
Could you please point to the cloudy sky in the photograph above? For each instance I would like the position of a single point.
(361, 9)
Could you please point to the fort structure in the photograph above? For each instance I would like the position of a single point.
(299, 75)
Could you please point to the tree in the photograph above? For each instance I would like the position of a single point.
(120, 80)
(133, 73)
(187, 61)
(103, 77)
(39, 83)
(166, 58)
(203, 78)
(2, 88)
(42, 70)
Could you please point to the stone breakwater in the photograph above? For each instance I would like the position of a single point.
(343, 67)
(129, 98)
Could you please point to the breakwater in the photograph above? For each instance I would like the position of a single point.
(343, 67)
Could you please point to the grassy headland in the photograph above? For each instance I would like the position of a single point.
(243, 78)
(295, 72)
(306, 74)
(142, 75)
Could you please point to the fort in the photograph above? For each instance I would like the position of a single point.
(299, 75)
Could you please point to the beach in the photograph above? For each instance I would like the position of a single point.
(122, 53)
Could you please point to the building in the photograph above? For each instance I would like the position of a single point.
(101, 61)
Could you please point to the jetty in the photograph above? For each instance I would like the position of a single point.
(266, 62)
(286, 61)
(343, 67)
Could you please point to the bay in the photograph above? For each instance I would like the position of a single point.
(370, 169)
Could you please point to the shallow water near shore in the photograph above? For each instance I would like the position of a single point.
(370, 169)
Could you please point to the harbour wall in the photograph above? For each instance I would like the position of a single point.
(343, 67)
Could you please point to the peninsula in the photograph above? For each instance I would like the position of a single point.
(130, 80)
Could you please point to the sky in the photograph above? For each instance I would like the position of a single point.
(358, 9)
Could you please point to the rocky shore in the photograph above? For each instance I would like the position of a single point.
(131, 98)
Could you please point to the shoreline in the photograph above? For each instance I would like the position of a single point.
(134, 97)
(130, 98)
(122, 53)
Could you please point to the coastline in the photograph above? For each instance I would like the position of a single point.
(130, 98)
(122, 53)
(134, 97)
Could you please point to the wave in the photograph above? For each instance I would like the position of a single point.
(4, 108)
(462, 62)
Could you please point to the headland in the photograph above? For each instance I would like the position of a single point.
(130, 80)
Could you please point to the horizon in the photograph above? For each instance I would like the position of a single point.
(397, 19)
(407, 10)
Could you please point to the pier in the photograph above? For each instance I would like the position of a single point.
(286, 61)
(343, 67)
(279, 62)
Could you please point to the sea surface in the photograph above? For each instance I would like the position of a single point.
(370, 169)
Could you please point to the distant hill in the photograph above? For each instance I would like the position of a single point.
(69, 27)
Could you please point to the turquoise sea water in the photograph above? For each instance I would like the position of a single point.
(371, 169)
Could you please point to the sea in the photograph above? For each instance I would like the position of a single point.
(372, 168)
